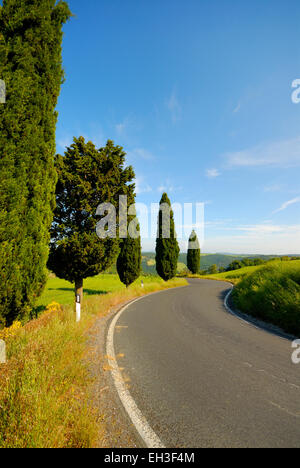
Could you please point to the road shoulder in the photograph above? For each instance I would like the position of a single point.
(117, 430)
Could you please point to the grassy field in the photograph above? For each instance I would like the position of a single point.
(62, 291)
(289, 268)
(207, 260)
(45, 387)
(272, 293)
(233, 276)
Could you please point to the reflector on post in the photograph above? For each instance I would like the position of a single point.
(2, 352)
(78, 308)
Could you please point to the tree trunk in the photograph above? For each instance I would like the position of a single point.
(79, 290)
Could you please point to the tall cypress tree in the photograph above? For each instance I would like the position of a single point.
(193, 254)
(130, 258)
(31, 67)
(167, 248)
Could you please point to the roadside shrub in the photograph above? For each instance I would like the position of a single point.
(10, 332)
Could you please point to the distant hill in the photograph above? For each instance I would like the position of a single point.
(221, 260)
(207, 260)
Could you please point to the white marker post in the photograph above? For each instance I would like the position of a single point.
(2, 352)
(78, 308)
(2, 92)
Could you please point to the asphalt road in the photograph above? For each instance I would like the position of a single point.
(202, 377)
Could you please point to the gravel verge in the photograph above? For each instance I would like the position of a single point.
(117, 430)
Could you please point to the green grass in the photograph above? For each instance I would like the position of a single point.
(272, 293)
(62, 291)
(233, 276)
(46, 389)
(181, 267)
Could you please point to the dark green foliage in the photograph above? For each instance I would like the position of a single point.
(272, 293)
(213, 270)
(30, 65)
(235, 265)
(193, 254)
(207, 260)
(87, 177)
(245, 262)
(167, 249)
(129, 260)
(238, 264)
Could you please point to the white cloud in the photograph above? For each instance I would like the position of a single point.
(257, 239)
(94, 134)
(252, 239)
(174, 107)
(64, 141)
(259, 229)
(165, 188)
(288, 203)
(272, 188)
(277, 154)
(126, 126)
(168, 187)
(144, 154)
(212, 173)
(140, 153)
(141, 186)
(120, 128)
(237, 108)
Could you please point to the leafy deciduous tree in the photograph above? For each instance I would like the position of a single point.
(213, 270)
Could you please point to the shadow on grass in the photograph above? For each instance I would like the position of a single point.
(88, 292)
(36, 311)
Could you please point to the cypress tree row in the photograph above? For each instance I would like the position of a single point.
(130, 257)
(30, 65)
(193, 254)
(167, 248)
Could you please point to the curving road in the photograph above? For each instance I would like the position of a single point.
(204, 378)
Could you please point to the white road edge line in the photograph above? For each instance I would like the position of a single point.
(139, 421)
(142, 426)
(233, 313)
(248, 322)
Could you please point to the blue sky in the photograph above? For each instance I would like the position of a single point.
(199, 94)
